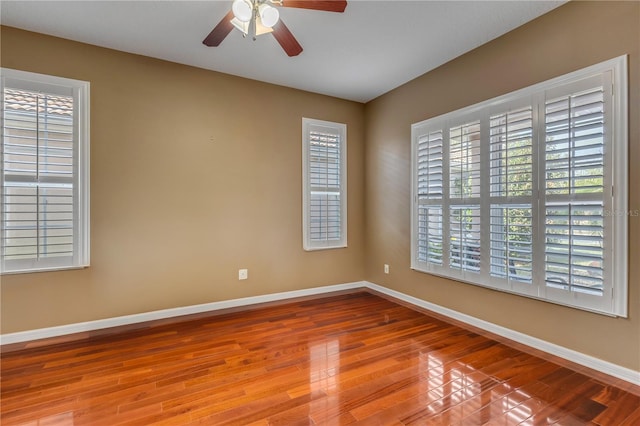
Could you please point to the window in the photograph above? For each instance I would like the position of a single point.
(527, 193)
(45, 172)
(324, 156)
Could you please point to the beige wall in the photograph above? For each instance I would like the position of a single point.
(194, 174)
(571, 37)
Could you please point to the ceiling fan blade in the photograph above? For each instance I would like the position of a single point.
(328, 5)
(221, 31)
(286, 39)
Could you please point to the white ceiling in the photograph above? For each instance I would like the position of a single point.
(371, 48)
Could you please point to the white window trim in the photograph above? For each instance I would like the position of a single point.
(341, 130)
(618, 264)
(81, 91)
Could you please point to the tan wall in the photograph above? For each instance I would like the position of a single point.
(194, 174)
(571, 37)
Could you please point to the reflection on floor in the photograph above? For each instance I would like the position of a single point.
(347, 359)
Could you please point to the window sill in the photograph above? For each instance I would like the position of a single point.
(47, 269)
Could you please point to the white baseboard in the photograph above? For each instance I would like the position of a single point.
(611, 369)
(597, 364)
(43, 333)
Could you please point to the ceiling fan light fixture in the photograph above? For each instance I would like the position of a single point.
(256, 17)
(242, 10)
(269, 15)
(242, 26)
(261, 28)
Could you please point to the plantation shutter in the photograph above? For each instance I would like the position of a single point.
(325, 220)
(40, 207)
(510, 191)
(430, 192)
(464, 197)
(527, 193)
(575, 169)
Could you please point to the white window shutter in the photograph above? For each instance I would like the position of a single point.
(511, 188)
(574, 190)
(465, 184)
(41, 207)
(324, 186)
(430, 187)
(534, 199)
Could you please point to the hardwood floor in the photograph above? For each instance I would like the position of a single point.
(348, 359)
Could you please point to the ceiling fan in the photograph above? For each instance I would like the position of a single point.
(256, 17)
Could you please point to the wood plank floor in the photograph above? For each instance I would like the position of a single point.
(348, 359)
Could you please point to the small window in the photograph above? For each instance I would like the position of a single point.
(45, 172)
(527, 193)
(324, 149)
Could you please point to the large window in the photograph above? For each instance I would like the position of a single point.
(324, 152)
(527, 193)
(45, 172)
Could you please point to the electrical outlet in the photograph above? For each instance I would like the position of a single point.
(243, 274)
(386, 268)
